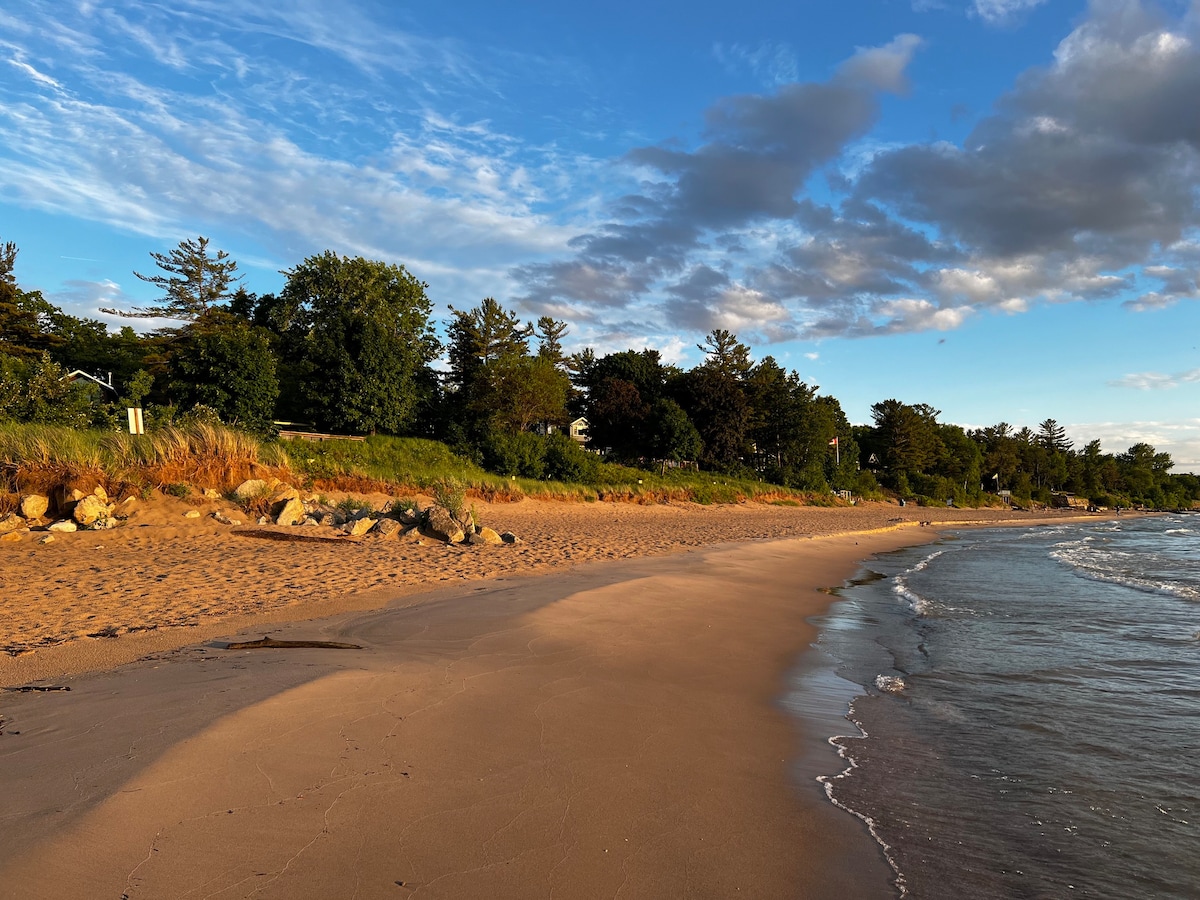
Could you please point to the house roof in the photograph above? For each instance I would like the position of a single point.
(79, 373)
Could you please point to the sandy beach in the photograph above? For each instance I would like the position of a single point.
(589, 713)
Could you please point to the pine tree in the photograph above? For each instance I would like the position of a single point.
(195, 281)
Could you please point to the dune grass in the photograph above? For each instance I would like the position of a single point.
(213, 456)
(38, 456)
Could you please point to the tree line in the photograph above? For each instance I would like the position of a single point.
(349, 345)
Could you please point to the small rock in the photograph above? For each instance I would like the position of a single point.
(329, 519)
(211, 494)
(11, 522)
(101, 493)
(264, 520)
(63, 525)
(509, 538)
(10, 536)
(192, 514)
(223, 517)
(407, 516)
(310, 520)
(48, 539)
(34, 506)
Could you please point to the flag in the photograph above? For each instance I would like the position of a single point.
(833, 443)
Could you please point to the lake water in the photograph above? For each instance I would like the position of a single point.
(1025, 720)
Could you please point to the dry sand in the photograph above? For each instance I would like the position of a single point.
(607, 729)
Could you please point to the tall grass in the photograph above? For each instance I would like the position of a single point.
(36, 456)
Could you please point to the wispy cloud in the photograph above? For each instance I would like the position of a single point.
(771, 63)
(199, 132)
(1156, 381)
(1002, 12)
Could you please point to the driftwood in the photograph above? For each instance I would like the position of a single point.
(273, 644)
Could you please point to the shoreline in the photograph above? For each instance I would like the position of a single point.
(606, 664)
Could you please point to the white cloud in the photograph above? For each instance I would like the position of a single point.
(1154, 381)
(39, 77)
(1179, 438)
(999, 12)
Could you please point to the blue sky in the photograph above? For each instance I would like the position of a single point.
(989, 206)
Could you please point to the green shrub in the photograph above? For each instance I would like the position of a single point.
(565, 460)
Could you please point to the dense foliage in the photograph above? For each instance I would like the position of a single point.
(349, 346)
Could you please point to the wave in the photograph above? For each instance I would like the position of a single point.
(1119, 567)
(922, 606)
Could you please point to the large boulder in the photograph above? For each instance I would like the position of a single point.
(440, 525)
(34, 506)
(360, 526)
(89, 509)
(290, 512)
(283, 493)
(387, 527)
(489, 536)
(249, 489)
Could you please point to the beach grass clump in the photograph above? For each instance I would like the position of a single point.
(201, 454)
(449, 494)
